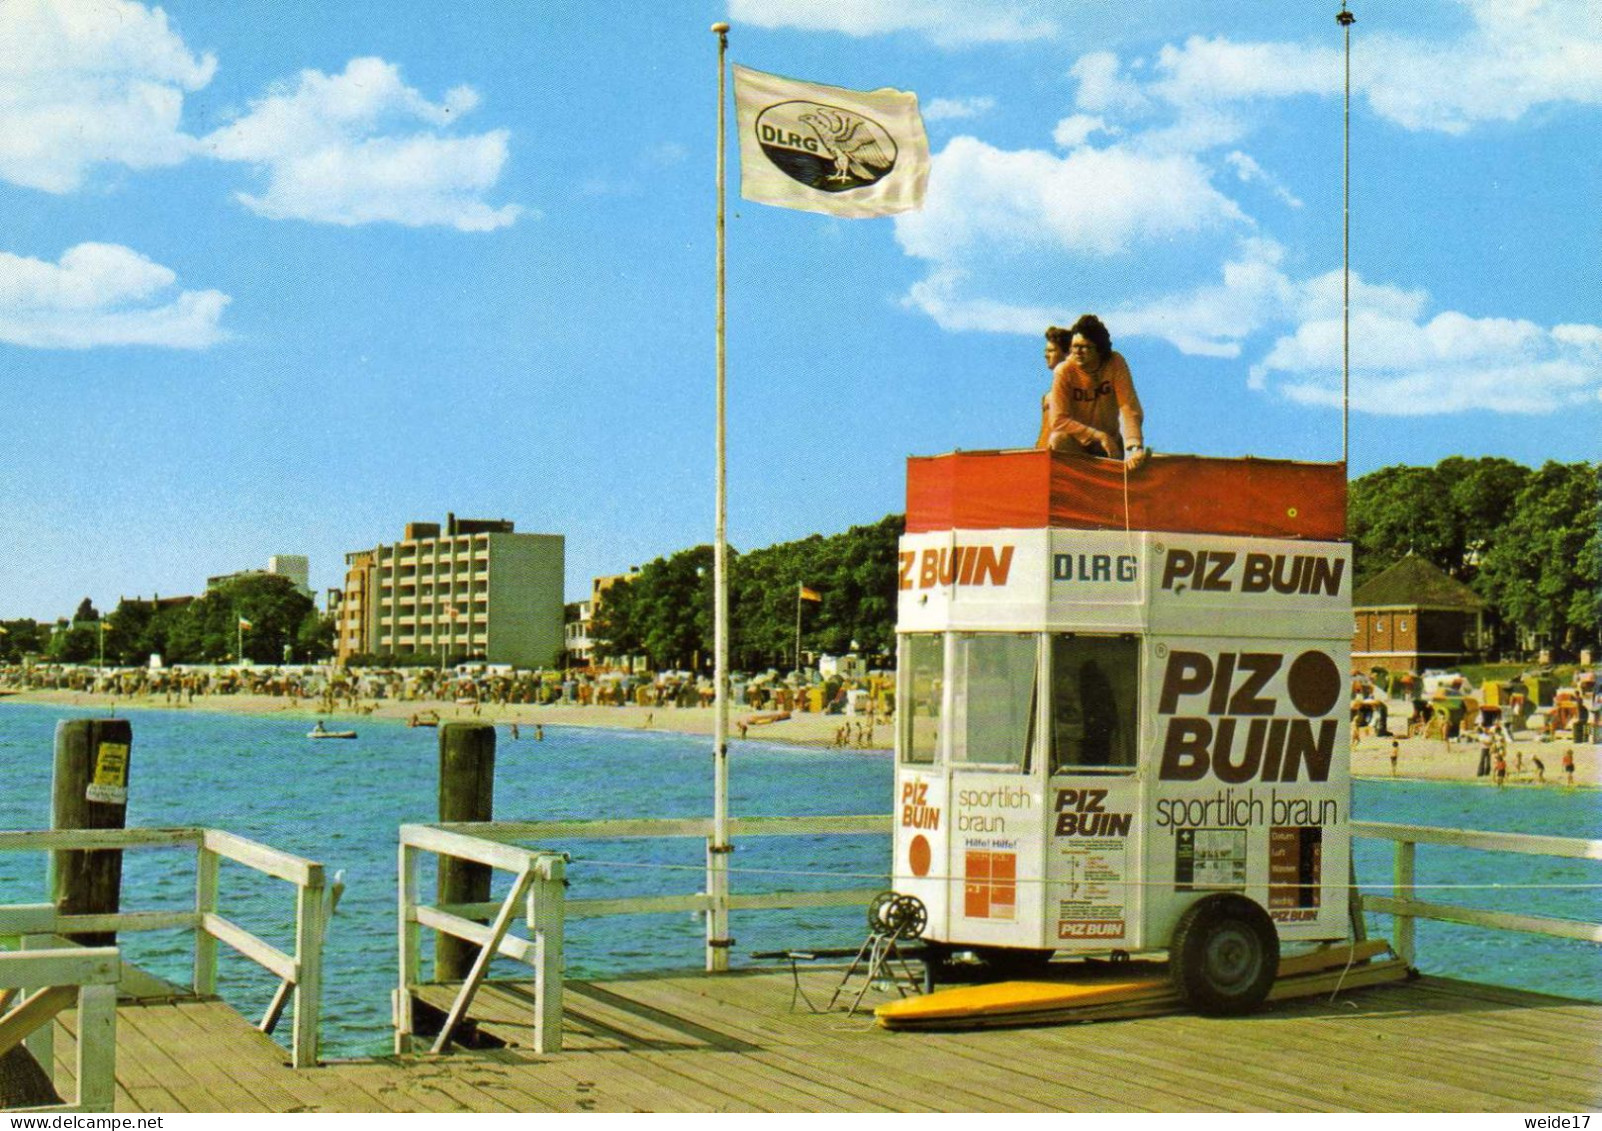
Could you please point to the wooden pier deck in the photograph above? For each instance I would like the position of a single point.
(690, 1042)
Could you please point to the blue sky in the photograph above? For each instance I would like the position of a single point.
(279, 277)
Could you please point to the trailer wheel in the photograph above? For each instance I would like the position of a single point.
(1224, 955)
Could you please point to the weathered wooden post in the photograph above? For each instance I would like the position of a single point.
(466, 793)
(89, 791)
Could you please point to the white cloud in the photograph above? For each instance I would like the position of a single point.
(1102, 86)
(1449, 363)
(346, 149)
(1076, 129)
(948, 23)
(89, 83)
(1250, 172)
(1517, 57)
(1514, 58)
(1094, 201)
(945, 109)
(103, 295)
(941, 297)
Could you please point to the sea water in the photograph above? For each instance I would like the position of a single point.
(341, 802)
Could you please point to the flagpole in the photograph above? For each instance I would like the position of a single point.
(798, 626)
(1346, 20)
(717, 932)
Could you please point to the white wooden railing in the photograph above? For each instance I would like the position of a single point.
(46, 982)
(707, 900)
(541, 872)
(538, 884)
(541, 880)
(1404, 905)
(302, 971)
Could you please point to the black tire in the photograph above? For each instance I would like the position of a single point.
(1224, 955)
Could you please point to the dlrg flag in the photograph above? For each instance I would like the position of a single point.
(852, 153)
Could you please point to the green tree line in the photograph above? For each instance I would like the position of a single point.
(664, 612)
(1527, 541)
(204, 630)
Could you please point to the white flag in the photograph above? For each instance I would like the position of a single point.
(855, 153)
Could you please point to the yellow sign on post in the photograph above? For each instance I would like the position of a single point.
(109, 784)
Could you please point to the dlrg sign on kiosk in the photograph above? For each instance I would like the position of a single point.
(1121, 719)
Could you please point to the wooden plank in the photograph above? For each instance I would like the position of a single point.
(1485, 917)
(509, 832)
(462, 846)
(703, 1044)
(512, 832)
(511, 946)
(43, 839)
(480, 966)
(263, 954)
(223, 1042)
(598, 1081)
(650, 1030)
(204, 1088)
(679, 904)
(96, 1061)
(1387, 1082)
(78, 966)
(1525, 843)
(38, 1008)
(126, 921)
(715, 1002)
(275, 862)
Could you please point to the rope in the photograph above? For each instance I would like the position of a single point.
(1021, 881)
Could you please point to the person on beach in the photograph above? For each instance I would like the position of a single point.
(1396, 751)
(1091, 408)
(1501, 769)
(1540, 769)
(1568, 765)
(1485, 753)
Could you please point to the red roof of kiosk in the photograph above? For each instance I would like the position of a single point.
(1180, 494)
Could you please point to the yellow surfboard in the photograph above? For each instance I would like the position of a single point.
(1020, 1003)
(1003, 999)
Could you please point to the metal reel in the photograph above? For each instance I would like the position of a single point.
(902, 915)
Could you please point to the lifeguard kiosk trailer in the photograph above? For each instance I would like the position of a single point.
(1122, 717)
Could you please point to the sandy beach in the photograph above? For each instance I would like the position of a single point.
(1418, 758)
(801, 729)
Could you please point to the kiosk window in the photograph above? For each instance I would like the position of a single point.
(993, 699)
(923, 663)
(1094, 700)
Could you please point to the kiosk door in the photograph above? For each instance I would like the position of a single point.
(997, 789)
(1093, 894)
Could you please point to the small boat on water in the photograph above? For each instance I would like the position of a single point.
(318, 732)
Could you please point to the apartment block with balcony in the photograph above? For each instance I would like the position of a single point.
(472, 587)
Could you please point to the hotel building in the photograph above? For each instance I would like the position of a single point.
(475, 587)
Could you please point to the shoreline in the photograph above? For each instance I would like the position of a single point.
(809, 730)
(1420, 759)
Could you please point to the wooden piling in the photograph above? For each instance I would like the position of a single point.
(466, 793)
(89, 791)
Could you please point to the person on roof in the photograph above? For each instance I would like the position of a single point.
(1092, 408)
